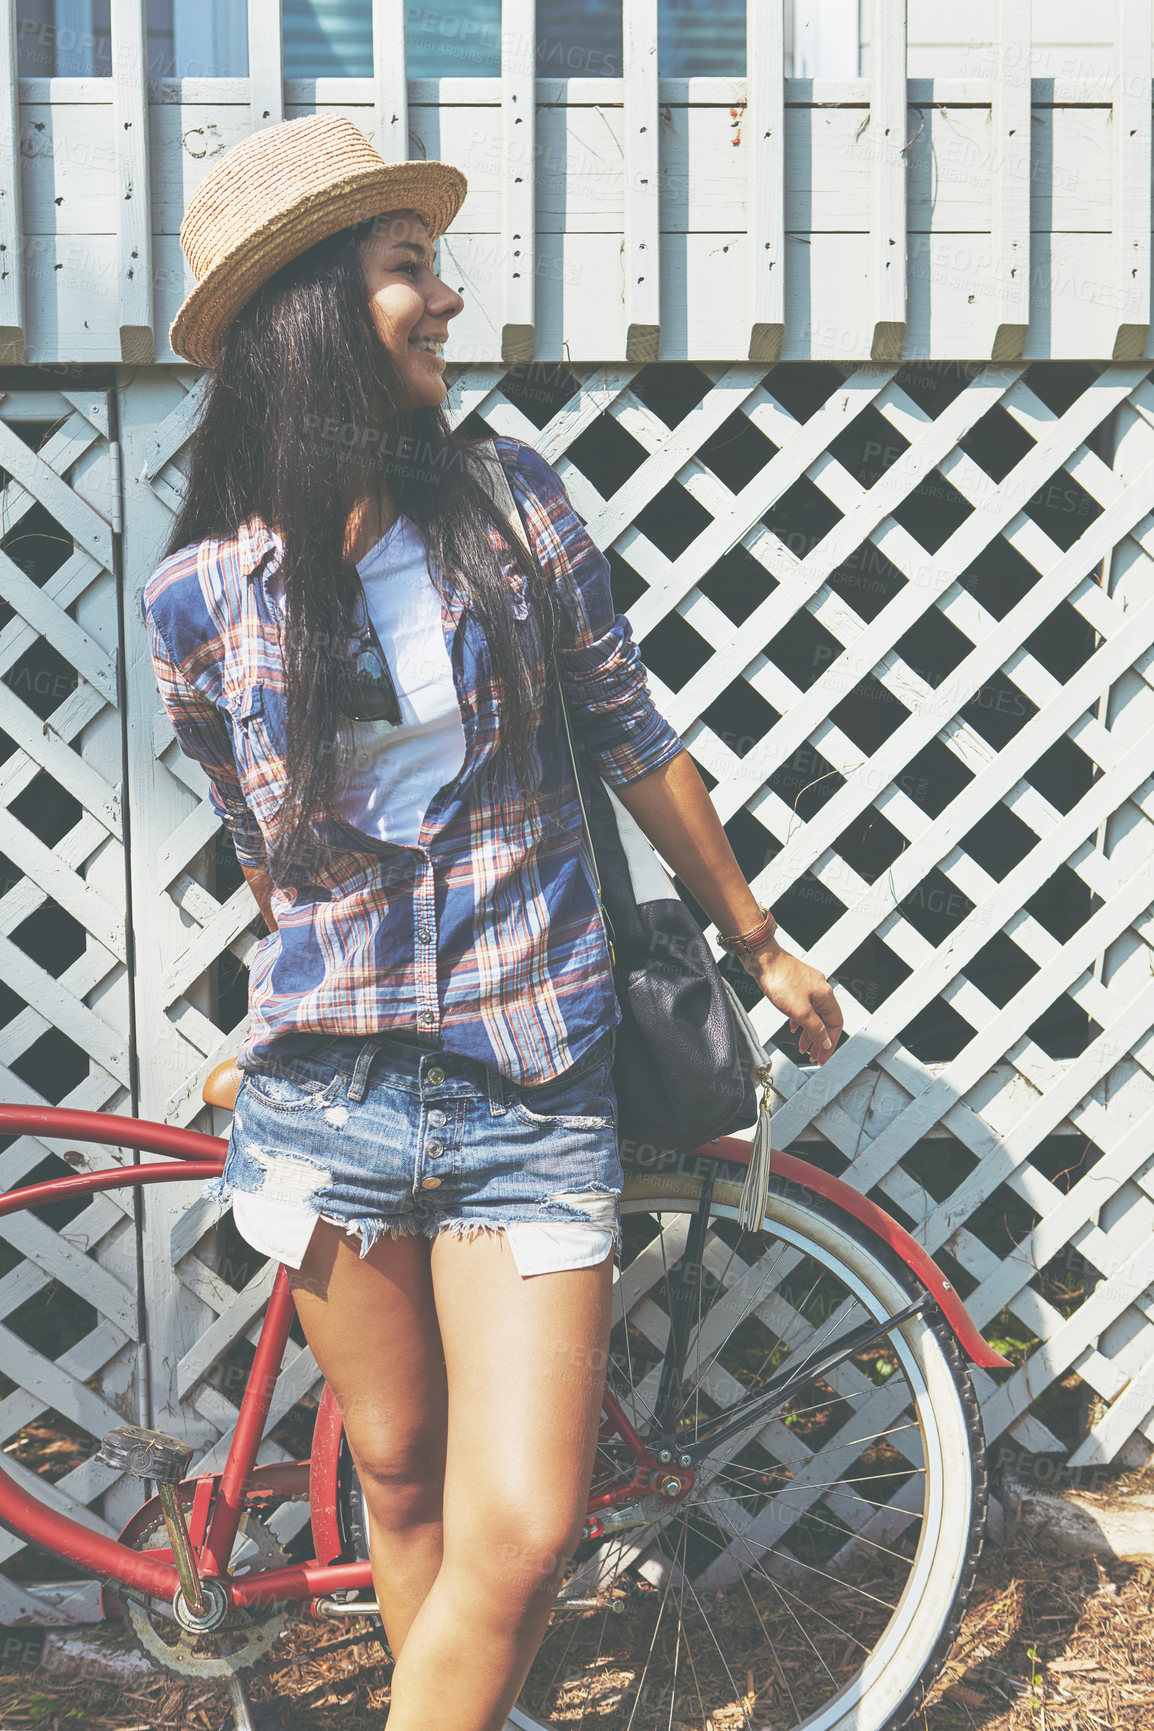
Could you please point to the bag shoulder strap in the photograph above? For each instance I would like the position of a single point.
(491, 474)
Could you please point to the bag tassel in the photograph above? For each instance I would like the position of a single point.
(755, 1192)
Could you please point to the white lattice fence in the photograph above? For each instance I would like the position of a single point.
(1011, 477)
(924, 548)
(68, 1288)
(902, 619)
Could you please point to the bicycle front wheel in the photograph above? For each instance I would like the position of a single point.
(816, 1574)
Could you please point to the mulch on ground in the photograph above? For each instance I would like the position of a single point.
(1049, 1641)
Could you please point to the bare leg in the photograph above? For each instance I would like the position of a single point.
(525, 1365)
(372, 1326)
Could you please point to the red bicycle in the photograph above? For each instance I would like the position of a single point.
(787, 1502)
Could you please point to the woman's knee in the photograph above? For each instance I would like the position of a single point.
(393, 1462)
(400, 1458)
(517, 1550)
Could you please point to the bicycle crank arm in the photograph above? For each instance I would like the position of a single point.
(200, 1605)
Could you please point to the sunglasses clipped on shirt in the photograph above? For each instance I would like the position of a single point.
(375, 696)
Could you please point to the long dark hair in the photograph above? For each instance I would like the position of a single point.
(304, 418)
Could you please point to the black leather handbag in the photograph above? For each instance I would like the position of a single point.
(687, 1059)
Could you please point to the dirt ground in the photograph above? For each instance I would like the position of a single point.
(1049, 1641)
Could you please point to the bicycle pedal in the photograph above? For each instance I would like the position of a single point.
(145, 1454)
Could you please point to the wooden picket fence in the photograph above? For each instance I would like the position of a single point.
(902, 619)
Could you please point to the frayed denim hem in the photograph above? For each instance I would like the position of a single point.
(217, 1190)
(467, 1228)
(371, 1226)
(584, 1208)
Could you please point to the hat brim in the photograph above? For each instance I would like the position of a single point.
(436, 190)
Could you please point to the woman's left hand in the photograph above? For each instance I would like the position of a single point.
(802, 993)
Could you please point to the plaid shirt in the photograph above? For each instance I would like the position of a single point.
(485, 938)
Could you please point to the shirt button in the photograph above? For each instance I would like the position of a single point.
(428, 1015)
(437, 1117)
(429, 1183)
(425, 935)
(436, 1075)
(434, 1149)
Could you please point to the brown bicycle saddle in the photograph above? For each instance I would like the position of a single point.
(222, 1084)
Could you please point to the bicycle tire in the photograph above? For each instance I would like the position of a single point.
(609, 1667)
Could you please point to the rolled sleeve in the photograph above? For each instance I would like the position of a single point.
(202, 734)
(611, 709)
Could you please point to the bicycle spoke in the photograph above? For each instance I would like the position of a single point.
(805, 1632)
(716, 1643)
(839, 1484)
(680, 1637)
(780, 1668)
(649, 1654)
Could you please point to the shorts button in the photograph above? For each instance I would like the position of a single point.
(436, 1075)
(437, 1117)
(434, 1149)
(429, 1183)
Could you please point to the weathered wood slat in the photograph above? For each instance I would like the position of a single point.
(12, 341)
(1010, 177)
(765, 119)
(55, 1386)
(67, 611)
(887, 148)
(71, 1015)
(1092, 1316)
(1131, 202)
(391, 81)
(1067, 1216)
(517, 170)
(266, 91)
(51, 753)
(640, 269)
(134, 206)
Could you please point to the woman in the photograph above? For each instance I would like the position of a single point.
(361, 659)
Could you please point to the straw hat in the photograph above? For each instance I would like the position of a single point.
(273, 196)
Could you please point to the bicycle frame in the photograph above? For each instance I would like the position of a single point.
(219, 1499)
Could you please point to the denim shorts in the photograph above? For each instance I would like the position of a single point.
(378, 1135)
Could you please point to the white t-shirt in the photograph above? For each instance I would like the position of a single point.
(389, 774)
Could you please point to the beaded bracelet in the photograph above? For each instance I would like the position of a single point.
(744, 943)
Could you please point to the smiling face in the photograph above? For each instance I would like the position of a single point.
(410, 303)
